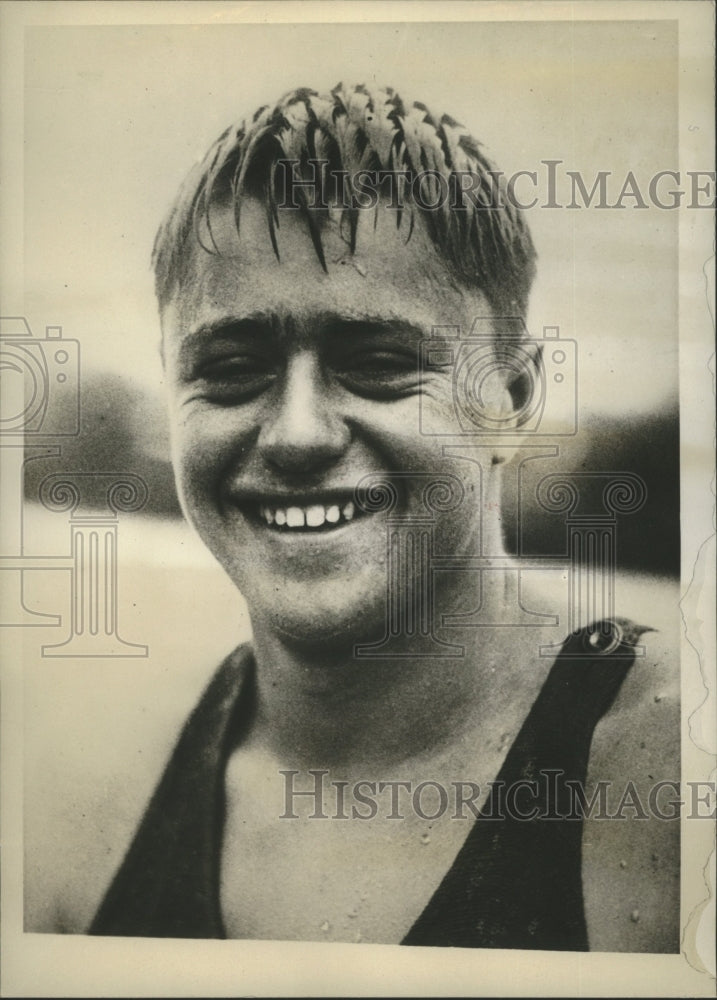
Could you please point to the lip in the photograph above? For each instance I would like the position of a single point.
(286, 498)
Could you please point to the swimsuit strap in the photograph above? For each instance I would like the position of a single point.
(167, 884)
(517, 880)
(515, 883)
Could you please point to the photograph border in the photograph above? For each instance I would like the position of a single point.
(55, 965)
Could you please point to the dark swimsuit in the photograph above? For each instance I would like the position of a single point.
(515, 883)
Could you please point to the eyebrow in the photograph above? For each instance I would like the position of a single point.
(337, 326)
(227, 328)
(327, 324)
(231, 325)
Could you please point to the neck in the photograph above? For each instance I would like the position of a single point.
(323, 707)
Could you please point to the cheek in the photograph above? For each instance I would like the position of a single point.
(411, 430)
(431, 450)
(206, 445)
(437, 417)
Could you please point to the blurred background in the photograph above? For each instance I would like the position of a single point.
(115, 116)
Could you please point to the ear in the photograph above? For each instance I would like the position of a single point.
(522, 386)
(518, 389)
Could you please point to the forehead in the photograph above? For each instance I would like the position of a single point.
(388, 276)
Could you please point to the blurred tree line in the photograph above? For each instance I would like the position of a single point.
(646, 445)
(122, 429)
(125, 429)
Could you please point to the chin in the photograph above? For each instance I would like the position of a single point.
(331, 615)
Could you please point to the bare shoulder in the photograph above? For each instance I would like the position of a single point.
(631, 856)
(97, 740)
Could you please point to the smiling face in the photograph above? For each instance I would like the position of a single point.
(288, 386)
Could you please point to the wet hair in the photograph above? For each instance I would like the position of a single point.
(483, 239)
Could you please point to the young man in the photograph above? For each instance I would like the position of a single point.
(311, 313)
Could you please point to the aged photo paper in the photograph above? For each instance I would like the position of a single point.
(500, 503)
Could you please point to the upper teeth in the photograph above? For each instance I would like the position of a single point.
(313, 516)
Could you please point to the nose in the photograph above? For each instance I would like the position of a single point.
(302, 430)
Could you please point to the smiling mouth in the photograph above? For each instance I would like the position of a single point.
(312, 517)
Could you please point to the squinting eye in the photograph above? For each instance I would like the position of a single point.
(236, 378)
(381, 374)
